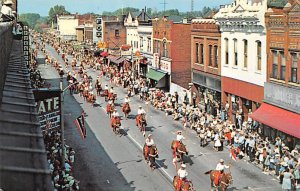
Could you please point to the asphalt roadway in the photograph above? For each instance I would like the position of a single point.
(105, 161)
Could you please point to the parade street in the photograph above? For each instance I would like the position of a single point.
(105, 161)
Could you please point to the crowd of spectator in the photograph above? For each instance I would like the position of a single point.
(211, 121)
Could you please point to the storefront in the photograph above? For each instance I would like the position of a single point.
(209, 89)
(279, 115)
(243, 97)
(157, 78)
(143, 66)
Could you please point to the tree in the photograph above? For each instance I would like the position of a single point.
(57, 10)
(30, 18)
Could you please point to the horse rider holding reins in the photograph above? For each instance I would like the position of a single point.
(220, 170)
(182, 174)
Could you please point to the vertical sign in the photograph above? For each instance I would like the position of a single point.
(49, 108)
(26, 44)
(99, 28)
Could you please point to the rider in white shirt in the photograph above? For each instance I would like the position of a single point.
(115, 113)
(182, 173)
(106, 87)
(221, 166)
(141, 110)
(126, 100)
(179, 136)
(149, 141)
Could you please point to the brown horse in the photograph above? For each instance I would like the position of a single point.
(126, 109)
(116, 124)
(186, 186)
(142, 123)
(224, 182)
(110, 109)
(150, 153)
(180, 149)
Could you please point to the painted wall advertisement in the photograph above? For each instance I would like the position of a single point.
(49, 108)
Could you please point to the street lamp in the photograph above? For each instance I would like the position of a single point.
(61, 74)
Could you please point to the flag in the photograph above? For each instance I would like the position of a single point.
(233, 154)
(79, 121)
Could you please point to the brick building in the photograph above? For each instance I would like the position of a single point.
(279, 114)
(205, 59)
(171, 53)
(114, 35)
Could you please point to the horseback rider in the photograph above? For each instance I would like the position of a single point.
(219, 171)
(149, 142)
(115, 113)
(141, 111)
(182, 174)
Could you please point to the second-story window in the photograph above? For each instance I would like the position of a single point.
(201, 54)
(282, 66)
(216, 56)
(141, 42)
(245, 53)
(117, 33)
(235, 61)
(149, 45)
(258, 53)
(294, 68)
(165, 50)
(275, 64)
(226, 51)
(197, 53)
(210, 55)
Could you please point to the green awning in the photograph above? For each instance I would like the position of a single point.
(155, 75)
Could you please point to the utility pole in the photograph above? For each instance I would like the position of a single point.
(164, 3)
(192, 6)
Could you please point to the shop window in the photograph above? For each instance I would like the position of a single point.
(197, 52)
(117, 33)
(245, 53)
(235, 61)
(282, 66)
(165, 50)
(275, 64)
(294, 68)
(210, 55)
(216, 56)
(258, 53)
(226, 51)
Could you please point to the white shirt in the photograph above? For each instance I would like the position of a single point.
(182, 173)
(106, 88)
(179, 137)
(126, 100)
(6, 10)
(221, 166)
(115, 114)
(140, 111)
(149, 142)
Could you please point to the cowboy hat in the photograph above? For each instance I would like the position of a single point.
(183, 165)
(8, 2)
(179, 131)
(150, 135)
(221, 160)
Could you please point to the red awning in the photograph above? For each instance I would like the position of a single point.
(277, 118)
(104, 54)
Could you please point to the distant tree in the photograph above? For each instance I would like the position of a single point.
(124, 11)
(149, 11)
(56, 10)
(30, 18)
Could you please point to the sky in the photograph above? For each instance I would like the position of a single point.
(98, 6)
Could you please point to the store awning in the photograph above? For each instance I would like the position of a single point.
(119, 60)
(277, 118)
(155, 75)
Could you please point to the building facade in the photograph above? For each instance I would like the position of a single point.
(243, 55)
(206, 62)
(171, 53)
(281, 107)
(66, 26)
(114, 35)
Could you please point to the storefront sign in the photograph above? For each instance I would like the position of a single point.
(49, 108)
(285, 97)
(156, 60)
(26, 43)
(165, 66)
(207, 81)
